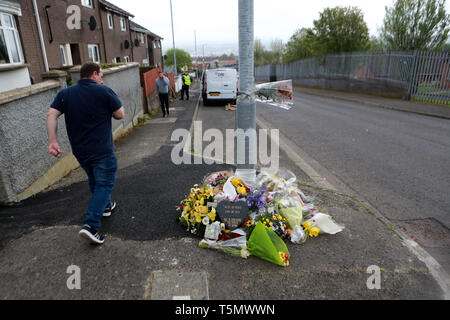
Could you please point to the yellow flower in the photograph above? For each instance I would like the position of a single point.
(203, 210)
(307, 225)
(280, 218)
(212, 216)
(198, 219)
(241, 190)
(187, 208)
(314, 232)
(236, 182)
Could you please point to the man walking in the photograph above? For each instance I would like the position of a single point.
(162, 89)
(186, 79)
(88, 108)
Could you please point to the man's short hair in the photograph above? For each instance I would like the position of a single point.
(88, 69)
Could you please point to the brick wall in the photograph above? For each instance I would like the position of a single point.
(115, 38)
(29, 37)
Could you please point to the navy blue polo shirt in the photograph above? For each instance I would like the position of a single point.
(88, 109)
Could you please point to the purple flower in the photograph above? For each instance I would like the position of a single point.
(256, 198)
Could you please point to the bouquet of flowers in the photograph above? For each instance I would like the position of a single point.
(194, 213)
(215, 181)
(277, 209)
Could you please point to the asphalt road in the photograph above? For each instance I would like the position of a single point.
(399, 162)
(39, 239)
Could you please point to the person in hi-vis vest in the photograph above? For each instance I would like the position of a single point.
(186, 79)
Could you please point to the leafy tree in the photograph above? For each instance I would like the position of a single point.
(415, 25)
(275, 54)
(302, 44)
(272, 56)
(376, 44)
(183, 58)
(341, 29)
(259, 52)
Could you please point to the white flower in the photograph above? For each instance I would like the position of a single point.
(205, 220)
(222, 226)
(245, 253)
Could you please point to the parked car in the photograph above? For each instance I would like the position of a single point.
(219, 85)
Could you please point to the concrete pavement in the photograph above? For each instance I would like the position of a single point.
(39, 241)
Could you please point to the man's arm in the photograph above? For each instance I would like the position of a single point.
(119, 114)
(52, 132)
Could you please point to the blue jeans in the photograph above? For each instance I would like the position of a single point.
(101, 174)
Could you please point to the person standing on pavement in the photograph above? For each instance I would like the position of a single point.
(162, 89)
(88, 108)
(186, 79)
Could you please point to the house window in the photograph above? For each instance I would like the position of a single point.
(154, 44)
(159, 43)
(10, 48)
(142, 38)
(123, 25)
(66, 55)
(63, 55)
(110, 21)
(94, 54)
(87, 3)
(127, 58)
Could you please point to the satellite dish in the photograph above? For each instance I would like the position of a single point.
(92, 23)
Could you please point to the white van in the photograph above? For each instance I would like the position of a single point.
(219, 85)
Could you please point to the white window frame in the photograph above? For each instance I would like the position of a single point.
(62, 50)
(142, 38)
(154, 44)
(159, 43)
(123, 24)
(95, 48)
(15, 34)
(87, 3)
(110, 21)
(127, 59)
(66, 54)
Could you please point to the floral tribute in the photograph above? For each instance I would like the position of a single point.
(278, 212)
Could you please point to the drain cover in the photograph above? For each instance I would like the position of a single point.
(178, 285)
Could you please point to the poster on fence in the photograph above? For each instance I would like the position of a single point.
(276, 94)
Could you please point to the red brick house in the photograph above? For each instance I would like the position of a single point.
(40, 35)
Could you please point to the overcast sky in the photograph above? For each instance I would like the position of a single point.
(216, 21)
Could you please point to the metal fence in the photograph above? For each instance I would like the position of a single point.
(420, 76)
(430, 79)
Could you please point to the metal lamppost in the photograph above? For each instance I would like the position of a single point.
(173, 37)
(246, 104)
